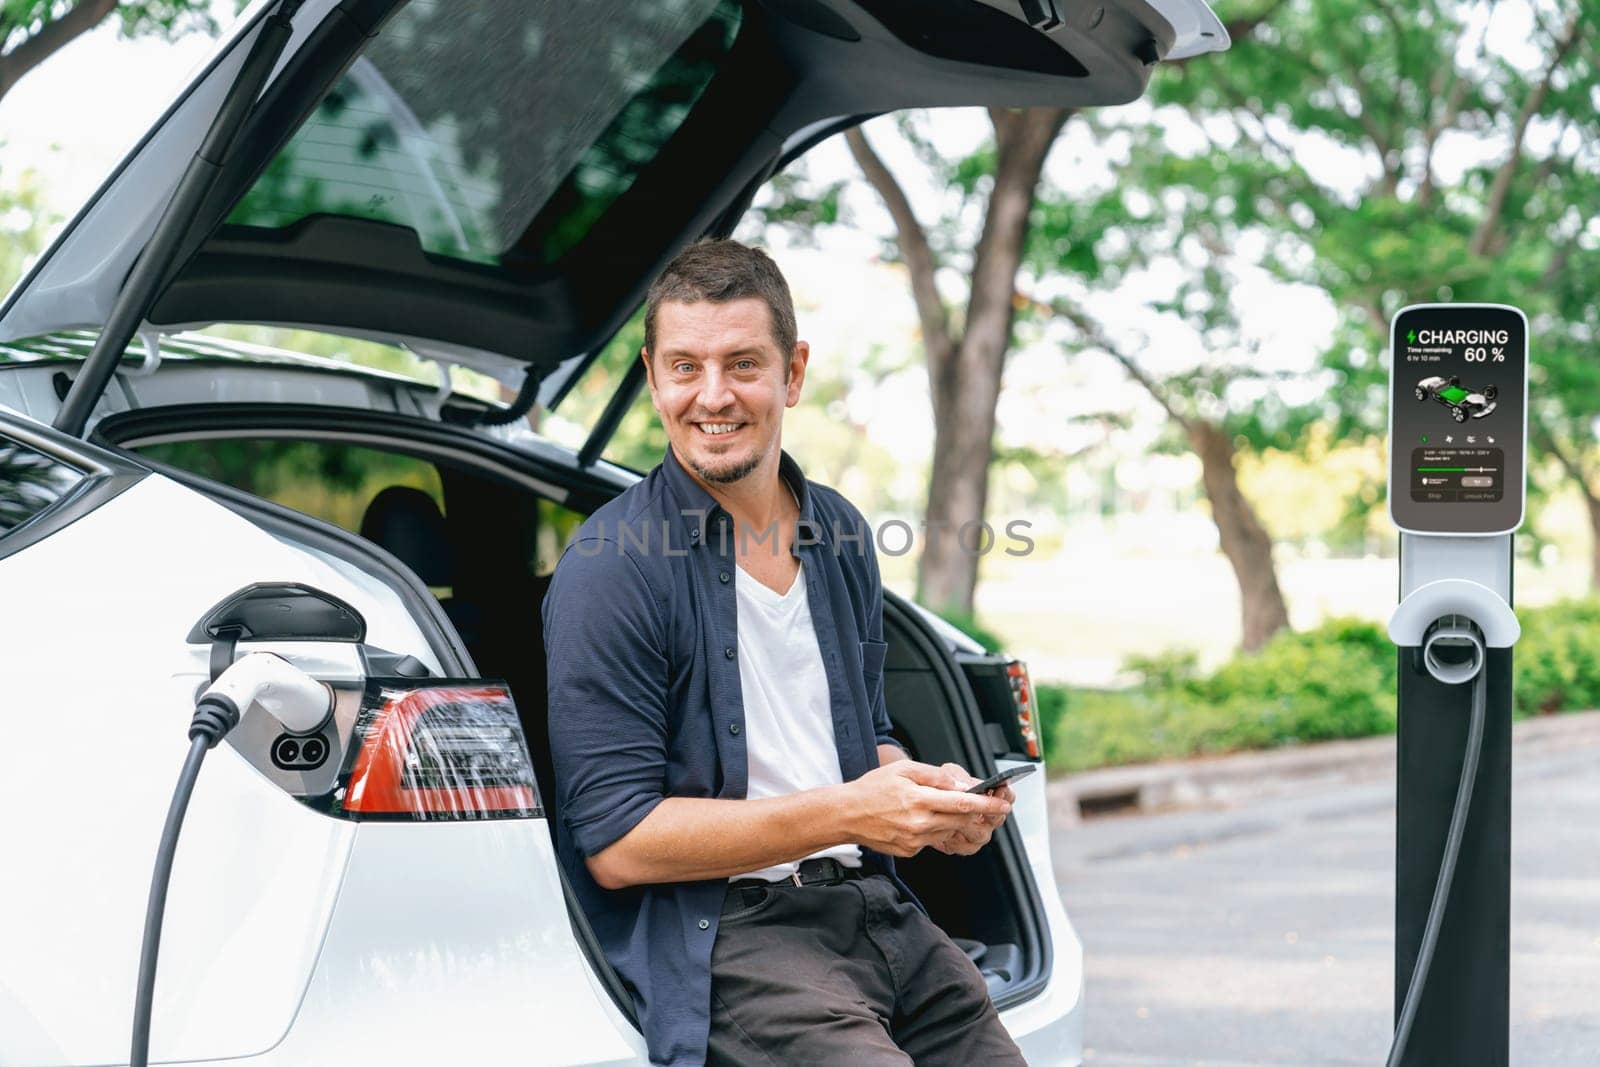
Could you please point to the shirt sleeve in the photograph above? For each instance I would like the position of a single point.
(606, 650)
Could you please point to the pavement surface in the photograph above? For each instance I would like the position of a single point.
(1252, 920)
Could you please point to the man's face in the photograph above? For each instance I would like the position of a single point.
(720, 384)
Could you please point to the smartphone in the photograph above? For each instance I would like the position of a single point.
(1003, 777)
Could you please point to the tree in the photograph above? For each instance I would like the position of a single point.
(965, 361)
(31, 31)
(966, 350)
(1396, 153)
(1214, 421)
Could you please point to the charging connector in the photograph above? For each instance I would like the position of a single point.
(260, 679)
(1453, 652)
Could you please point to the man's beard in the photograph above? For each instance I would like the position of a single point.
(726, 475)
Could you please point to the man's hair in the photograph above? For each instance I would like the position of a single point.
(720, 271)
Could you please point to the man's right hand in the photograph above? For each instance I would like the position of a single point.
(903, 807)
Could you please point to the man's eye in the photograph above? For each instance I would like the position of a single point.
(683, 368)
(745, 364)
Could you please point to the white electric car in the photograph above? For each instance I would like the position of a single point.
(491, 185)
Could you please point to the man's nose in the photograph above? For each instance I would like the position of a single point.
(714, 392)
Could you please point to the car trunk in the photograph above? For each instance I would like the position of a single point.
(987, 902)
(490, 612)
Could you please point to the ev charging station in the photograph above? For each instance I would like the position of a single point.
(1458, 427)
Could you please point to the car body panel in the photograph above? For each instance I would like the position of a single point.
(257, 873)
(451, 944)
(1048, 1027)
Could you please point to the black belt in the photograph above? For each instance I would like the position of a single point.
(824, 870)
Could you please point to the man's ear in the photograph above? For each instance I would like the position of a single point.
(650, 371)
(796, 372)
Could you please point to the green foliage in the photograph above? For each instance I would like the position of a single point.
(1335, 681)
(790, 201)
(25, 224)
(163, 18)
(21, 20)
(1558, 658)
(1398, 153)
(1171, 668)
(1331, 682)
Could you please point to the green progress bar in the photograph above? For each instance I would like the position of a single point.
(1436, 470)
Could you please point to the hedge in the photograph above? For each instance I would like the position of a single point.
(1335, 681)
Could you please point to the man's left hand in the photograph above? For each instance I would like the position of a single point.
(969, 839)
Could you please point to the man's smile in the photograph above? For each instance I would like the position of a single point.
(718, 429)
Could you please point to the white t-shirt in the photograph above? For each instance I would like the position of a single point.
(788, 726)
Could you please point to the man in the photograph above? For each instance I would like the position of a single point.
(728, 795)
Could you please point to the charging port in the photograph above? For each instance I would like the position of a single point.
(292, 753)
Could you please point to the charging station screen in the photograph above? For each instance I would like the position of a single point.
(1457, 422)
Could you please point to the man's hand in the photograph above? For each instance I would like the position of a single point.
(966, 840)
(903, 807)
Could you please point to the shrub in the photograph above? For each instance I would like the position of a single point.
(1335, 681)
(1331, 682)
(1557, 662)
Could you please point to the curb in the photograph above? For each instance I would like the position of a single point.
(1215, 781)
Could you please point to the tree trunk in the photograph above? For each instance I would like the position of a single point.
(958, 490)
(1243, 540)
(966, 386)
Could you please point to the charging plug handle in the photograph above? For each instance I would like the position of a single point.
(271, 682)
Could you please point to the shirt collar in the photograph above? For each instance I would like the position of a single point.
(698, 510)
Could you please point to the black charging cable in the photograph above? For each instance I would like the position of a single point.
(1447, 864)
(213, 718)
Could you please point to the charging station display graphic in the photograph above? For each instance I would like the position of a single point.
(1457, 419)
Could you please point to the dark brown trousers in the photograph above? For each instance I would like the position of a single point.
(846, 974)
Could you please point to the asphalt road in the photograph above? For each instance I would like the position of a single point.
(1264, 934)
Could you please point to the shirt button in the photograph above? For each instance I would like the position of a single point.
(694, 535)
(723, 576)
(729, 652)
(705, 924)
(733, 728)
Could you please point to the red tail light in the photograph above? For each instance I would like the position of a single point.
(1022, 693)
(452, 751)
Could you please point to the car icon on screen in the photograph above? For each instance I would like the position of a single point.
(1462, 402)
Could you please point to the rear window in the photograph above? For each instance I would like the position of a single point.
(30, 484)
(498, 154)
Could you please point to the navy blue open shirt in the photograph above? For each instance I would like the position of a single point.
(641, 637)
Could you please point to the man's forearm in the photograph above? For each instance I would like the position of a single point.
(890, 753)
(693, 838)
